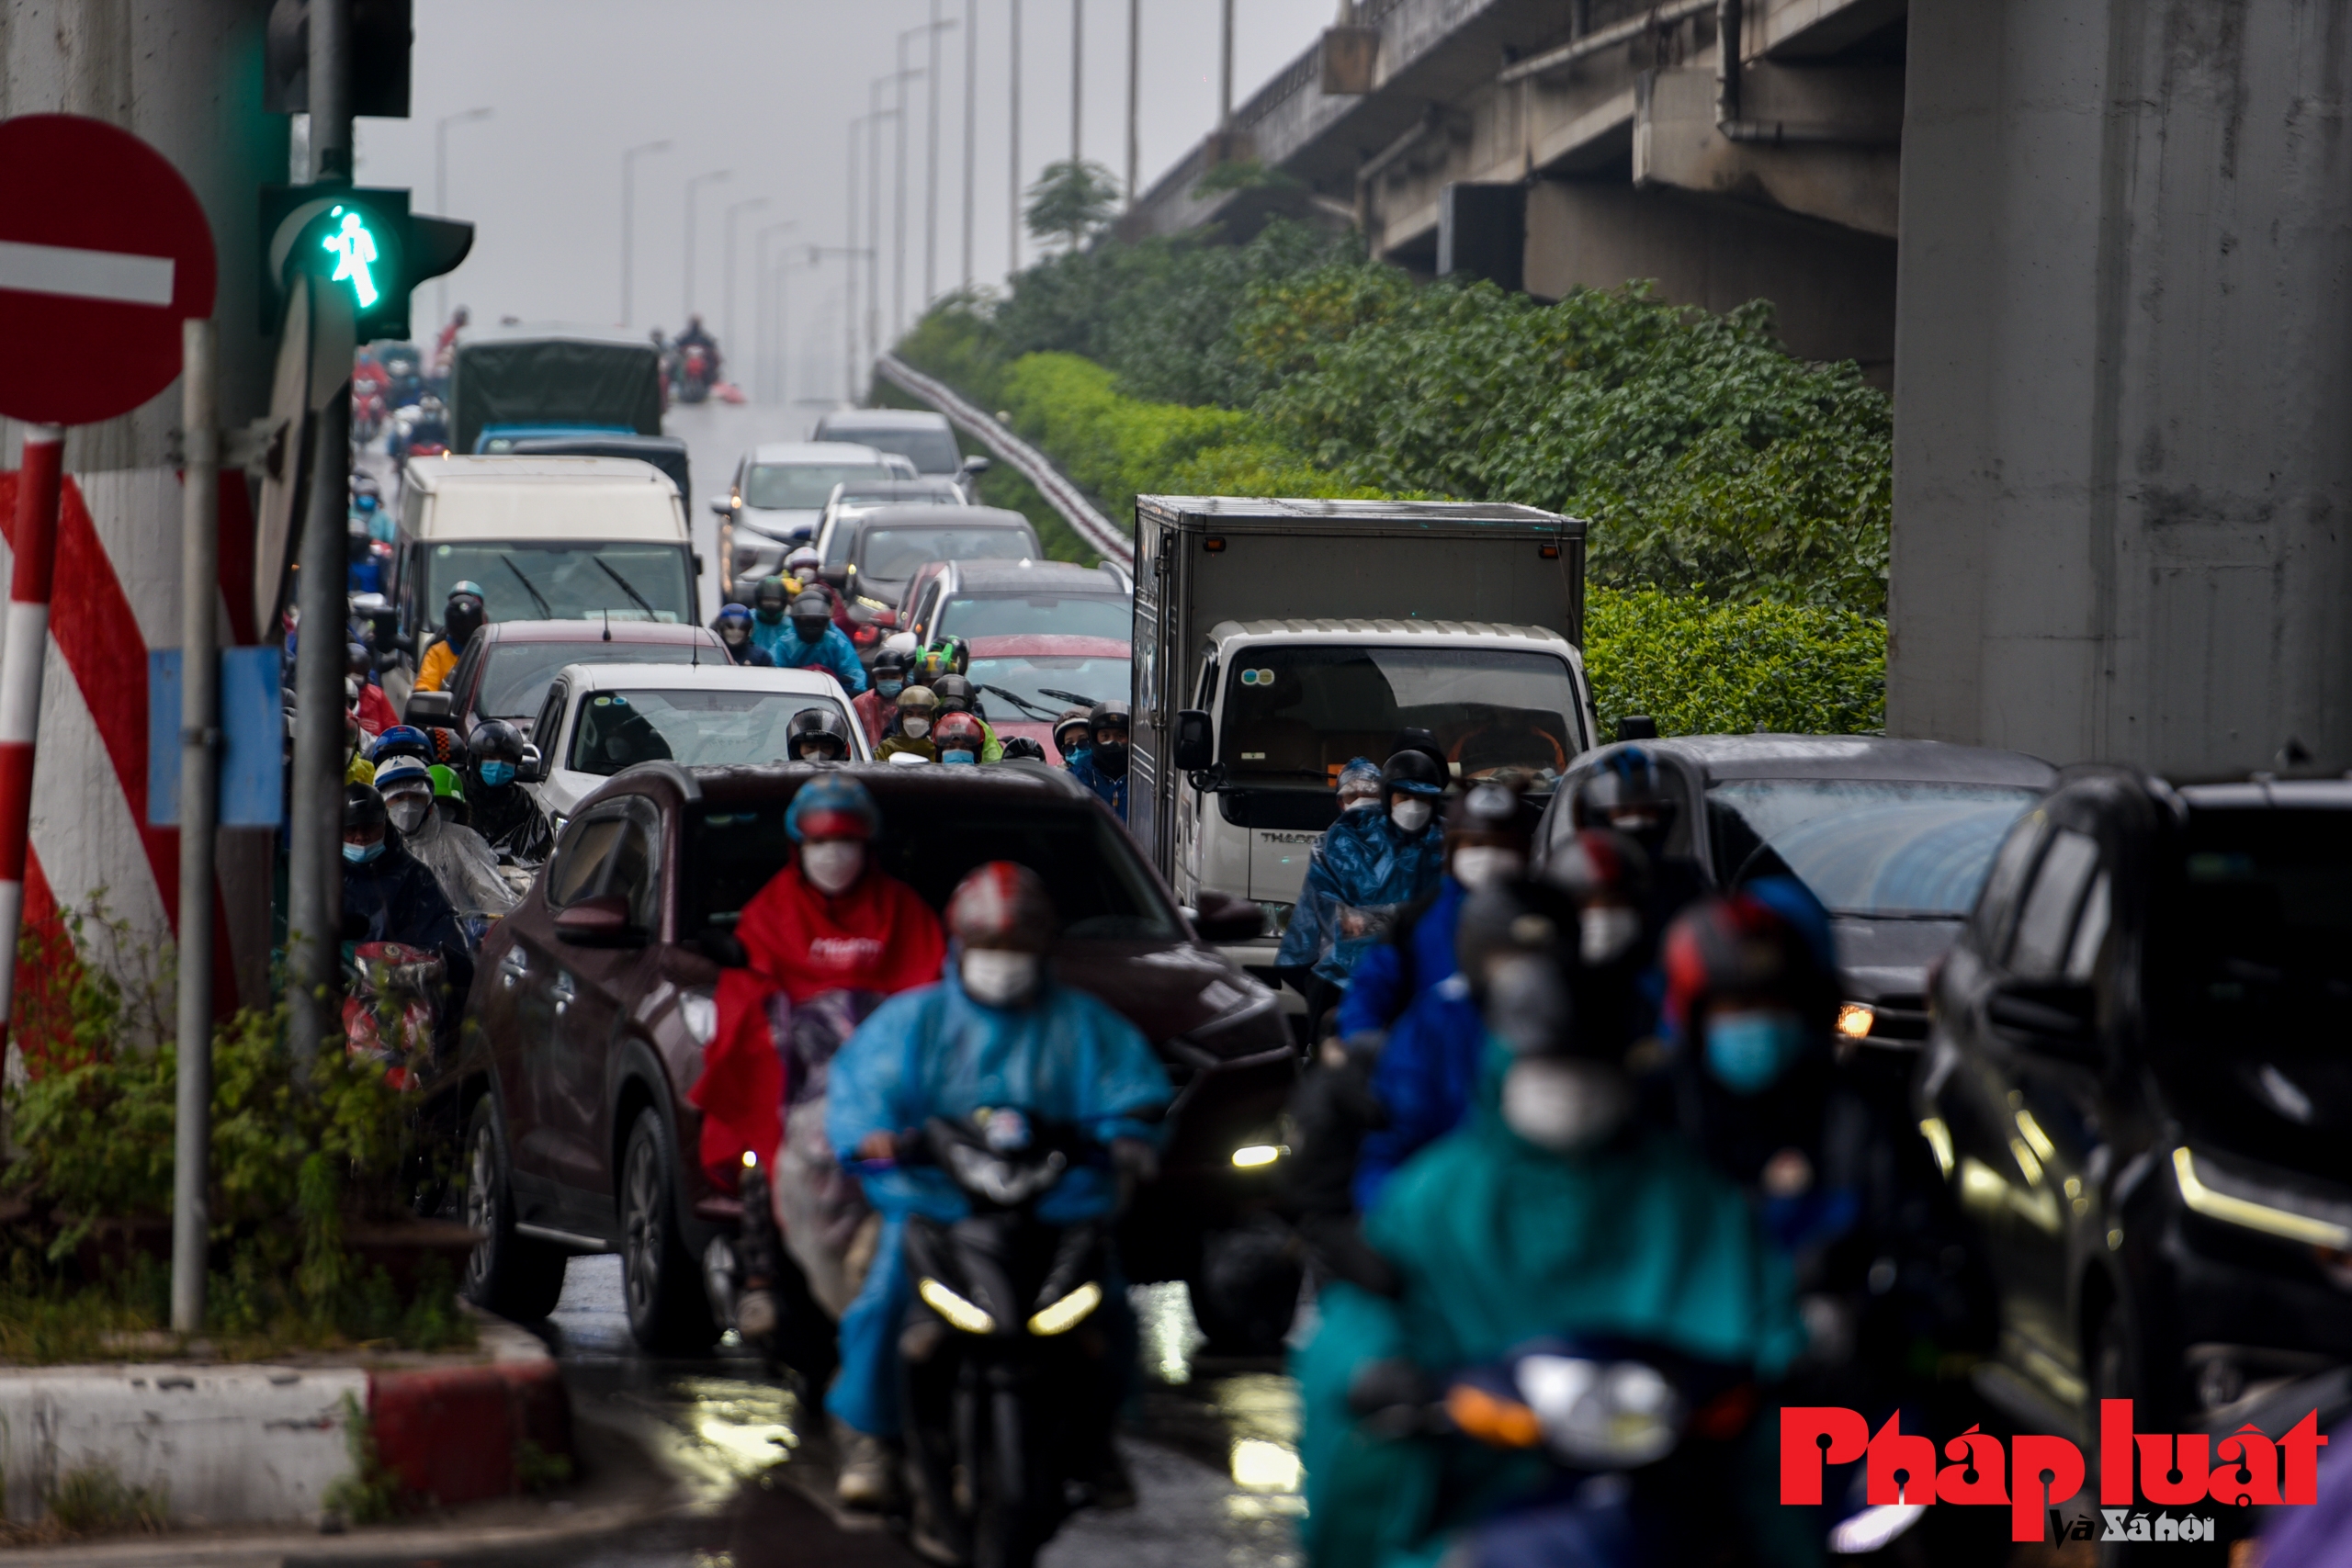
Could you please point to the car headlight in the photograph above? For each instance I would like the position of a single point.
(959, 1313)
(1067, 1313)
(2268, 1218)
(1855, 1019)
(1253, 1156)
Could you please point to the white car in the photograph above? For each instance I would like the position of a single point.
(779, 493)
(600, 718)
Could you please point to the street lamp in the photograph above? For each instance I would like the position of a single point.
(692, 186)
(971, 122)
(728, 300)
(441, 191)
(1013, 140)
(898, 220)
(849, 331)
(760, 326)
(629, 216)
(931, 163)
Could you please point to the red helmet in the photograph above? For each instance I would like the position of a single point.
(1600, 864)
(1001, 903)
(955, 731)
(1738, 943)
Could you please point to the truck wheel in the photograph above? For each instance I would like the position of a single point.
(661, 1283)
(513, 1276)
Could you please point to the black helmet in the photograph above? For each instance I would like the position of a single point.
(819, 726)
(362, 807)
(1423, 741)
(1411, 773)
(1487, 813)
(1076, 722)
(956, 694)
(769, 595)
(463, 614)
(893, 660)
(1019, 748)
(1626, 792)
(1111, 712)
(811, 602)
(495, 740)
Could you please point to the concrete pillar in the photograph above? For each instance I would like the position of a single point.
(188, 78)
(2122, 482)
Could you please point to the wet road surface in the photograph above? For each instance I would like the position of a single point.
(1211, 1446)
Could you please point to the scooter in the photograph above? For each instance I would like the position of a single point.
(693, 373)
(1008, 1385)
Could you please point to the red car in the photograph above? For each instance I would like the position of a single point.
(507, 667)
(1028, 682)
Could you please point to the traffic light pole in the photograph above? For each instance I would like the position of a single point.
(199, 802)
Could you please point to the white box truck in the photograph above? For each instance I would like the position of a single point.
(1276, 639)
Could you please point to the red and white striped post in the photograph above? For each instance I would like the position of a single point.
(24, 648)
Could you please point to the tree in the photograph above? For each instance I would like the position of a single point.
(1070, 200)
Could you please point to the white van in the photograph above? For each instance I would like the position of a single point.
(547, 539)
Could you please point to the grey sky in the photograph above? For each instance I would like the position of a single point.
(765, 88)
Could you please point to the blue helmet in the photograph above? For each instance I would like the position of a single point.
(732, 612)
(833, 807)
(402, 740)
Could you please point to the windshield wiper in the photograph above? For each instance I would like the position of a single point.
(546, 613)
(650, 613)
(1017, 700)
(1065, 696)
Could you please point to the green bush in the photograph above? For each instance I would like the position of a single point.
(1704, 668)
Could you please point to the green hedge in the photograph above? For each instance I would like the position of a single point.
(1704, 668)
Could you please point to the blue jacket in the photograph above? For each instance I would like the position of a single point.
(1365, 867)
(1425, 1079)
(935, 1051)
(1112, 792)
(1384, 985)
(831, 653)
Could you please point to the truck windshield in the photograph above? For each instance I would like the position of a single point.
(1296, 715)
(711, 727)
(533, 580)
(802, 486)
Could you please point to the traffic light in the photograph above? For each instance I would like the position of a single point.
(380, 33)
(363, 243)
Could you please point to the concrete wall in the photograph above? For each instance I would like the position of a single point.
(2122, 477)
(1833, 288)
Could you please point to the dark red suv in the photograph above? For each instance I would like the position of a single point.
(593, 1001)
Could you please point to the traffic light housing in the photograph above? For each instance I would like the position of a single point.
(362, 242)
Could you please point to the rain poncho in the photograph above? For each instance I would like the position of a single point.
(510, 822)
(1395, 975)
(877, 937)
(1111, 792)
(1424, 1078)
(462, 863)
(832, 653)
(1497, 1242)
(1361, 875)
(1065, 1057)
(400, 899)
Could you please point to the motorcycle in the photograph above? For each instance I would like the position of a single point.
(391, 1009)
(693, 373)
(1008, 1384)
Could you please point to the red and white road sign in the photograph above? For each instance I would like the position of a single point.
(103, 251)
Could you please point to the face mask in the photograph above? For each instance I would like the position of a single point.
(1563, 1105)
(1486, 866)
(498, 775)
(360, 855)
(1526, 1005)
(1110, 756)
(809, 631)
(997, 977)
(1634, 824)
(889, 688)
(1410, 816)
(1358, 802)
(957, 757)
(916, 729)
(831, 864)
(773, 617)
(1748, 1050)
(407, 810)
(735, 632)
(1605, 931)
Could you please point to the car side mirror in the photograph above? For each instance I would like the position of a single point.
(1222, 917)
(1636, 726)
(975, 464)
(533, 768)
(428, 710)
(1196, 741)
(601, 921)
(2056, 1020)
(721, 506)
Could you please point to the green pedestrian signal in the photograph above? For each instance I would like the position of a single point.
(355, 254)
(361, 243)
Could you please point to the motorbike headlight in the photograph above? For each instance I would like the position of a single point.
(1250, 1156)
(1067, 1312)
(959, 1313)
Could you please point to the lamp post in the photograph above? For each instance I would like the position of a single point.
(767, 379)
(628, 220)
(441, 191)
(930, 160)
(726, 298)
(877, 114)
(713, 176)
(782, 271)
(1012, 227)
(1078, 72)
(971, 122)
(1225, 70)
(1134, 94)
(898, 220)
(849, 326)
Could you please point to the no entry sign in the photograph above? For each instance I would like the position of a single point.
(103, 251)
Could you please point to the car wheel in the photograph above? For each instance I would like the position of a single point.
(661, 1285)
(513, 1276)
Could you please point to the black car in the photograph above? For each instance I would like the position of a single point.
(1893, 836)
(2138, 1086)
(870, 555)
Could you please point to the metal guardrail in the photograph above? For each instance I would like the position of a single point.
(1063, 496)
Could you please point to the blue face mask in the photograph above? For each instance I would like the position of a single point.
(497, 774)
(957, 757)
(889, 688)
(1749, 1051)
(360, 855)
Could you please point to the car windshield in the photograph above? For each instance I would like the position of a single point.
(2250, 940)
(699, 726)
(931, 451)
(1099, 885)
(1027, 678)
(802, 486)
(1866, 846)
(1296, 715)
(532, 580)
(1037, 615)
(515, 682)
(898, 553)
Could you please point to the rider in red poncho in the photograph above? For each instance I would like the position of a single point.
(830, 921)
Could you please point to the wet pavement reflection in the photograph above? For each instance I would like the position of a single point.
(1212, 1444)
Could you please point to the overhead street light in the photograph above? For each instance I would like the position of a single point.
(692, 186)
(628, 220)
(728, 297)
(899, 221)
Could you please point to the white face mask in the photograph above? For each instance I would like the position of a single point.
(1357, 802)
(1605, 931)
(916, 729)
(1486, 866)
(407, 811)
(1563, 1105)
(1410, 816)
(997, 977)
(831, 864)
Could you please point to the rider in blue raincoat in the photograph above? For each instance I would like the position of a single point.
(1102, 766)
(1367, 869)
(812, 642)
(998, 1031)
